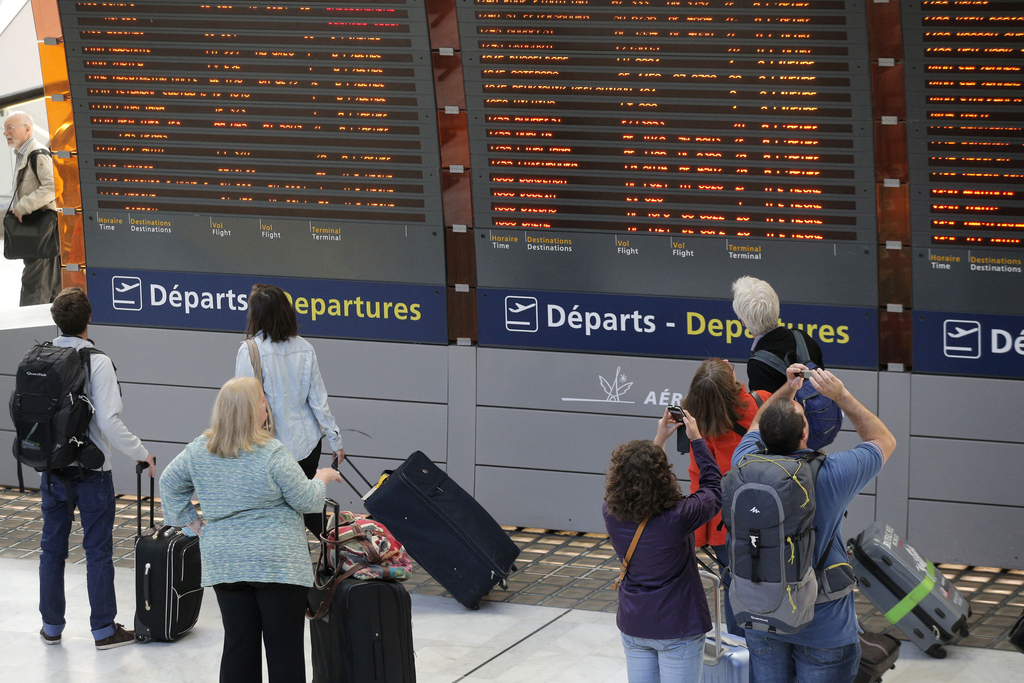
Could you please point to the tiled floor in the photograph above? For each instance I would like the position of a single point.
(499, 643)
(557, 569)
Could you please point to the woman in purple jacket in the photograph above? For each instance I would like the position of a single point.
(663, 612)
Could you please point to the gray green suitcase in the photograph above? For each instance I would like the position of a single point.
(909, 590)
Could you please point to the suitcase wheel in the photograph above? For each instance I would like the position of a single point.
(936, 651)
(141, 639)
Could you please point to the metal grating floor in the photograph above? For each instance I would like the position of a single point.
(562, 569)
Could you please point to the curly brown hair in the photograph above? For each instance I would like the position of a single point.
(640, 482)
(715, 398)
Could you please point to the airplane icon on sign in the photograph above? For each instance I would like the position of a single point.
(520, 308)
(127, 293)
(520, 314)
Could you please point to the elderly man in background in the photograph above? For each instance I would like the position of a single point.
(33, 190)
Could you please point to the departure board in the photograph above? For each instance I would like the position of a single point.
(736, 134)
(289, 139)
(965, 110)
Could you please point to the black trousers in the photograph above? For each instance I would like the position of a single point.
(40, 281)
(273, 612)
(310, 464)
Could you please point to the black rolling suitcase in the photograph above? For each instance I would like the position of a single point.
(1017, 634)
(878, 654)
(168, 575)
(444, 529)
(360, 631)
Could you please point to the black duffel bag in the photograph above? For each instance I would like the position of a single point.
(33, 237)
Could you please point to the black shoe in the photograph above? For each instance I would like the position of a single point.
(49, 640)
(122, 636)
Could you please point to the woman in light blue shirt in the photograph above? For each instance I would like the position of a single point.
(291, 381)
(252, 539)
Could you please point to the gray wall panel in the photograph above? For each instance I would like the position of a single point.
(416, 372)
(462, 415)
(967, 408)
(572, 442)
(893, 482)
(400, 372)
(987, 535)
(6, 387)
(543, 380)
(965, 471)
(8, 465)
(396, 429)
(549, 500)
(175, 357)
(166, 413)
(15, 342)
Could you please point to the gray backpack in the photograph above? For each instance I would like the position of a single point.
(768, 508)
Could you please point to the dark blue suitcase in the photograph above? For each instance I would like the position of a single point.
(444, 529)
(168, 578)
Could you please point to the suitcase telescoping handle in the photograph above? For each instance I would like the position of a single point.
(324, 545)
(716, 583)
(141, 467)
(337, 466)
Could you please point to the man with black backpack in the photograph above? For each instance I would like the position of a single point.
(783, 505)
(86, 483)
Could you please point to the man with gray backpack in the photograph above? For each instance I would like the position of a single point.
(783, 505)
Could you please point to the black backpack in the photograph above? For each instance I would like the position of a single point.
(50, 410)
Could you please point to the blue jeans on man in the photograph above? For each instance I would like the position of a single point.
(776, 661)
(93, 495)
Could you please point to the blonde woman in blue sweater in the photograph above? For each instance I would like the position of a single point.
(253, 541)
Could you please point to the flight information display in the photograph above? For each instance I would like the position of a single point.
(290, 139)
(719, 127)
(965, 110)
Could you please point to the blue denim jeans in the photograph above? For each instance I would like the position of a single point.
(679, 660)
(776, 661)
(94, 497)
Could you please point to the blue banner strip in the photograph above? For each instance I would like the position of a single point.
(969, 344)
(324, 308)
(662, 326)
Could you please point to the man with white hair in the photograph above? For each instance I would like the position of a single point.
(757, 306)
(33, 190)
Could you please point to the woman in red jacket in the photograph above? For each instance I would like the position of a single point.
(723, 409)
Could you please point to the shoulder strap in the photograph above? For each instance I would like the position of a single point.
(802, 356)
(254, 358)
(629, 553)
(336, 580)
(87, 352)
(736, 427)
(770, 359)
(257, 369)
(32, 156)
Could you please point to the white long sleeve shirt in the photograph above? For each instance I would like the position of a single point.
(295, 391)
(106, 429)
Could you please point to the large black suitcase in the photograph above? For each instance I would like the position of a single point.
(444, 529)
(360, 631)
(168, 576)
